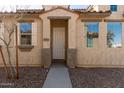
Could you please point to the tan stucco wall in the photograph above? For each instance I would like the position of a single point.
(34, 57)
(48, 7)
(100, 56)
(114, 15)
(71, 26)
(28, 58)
(58, 13)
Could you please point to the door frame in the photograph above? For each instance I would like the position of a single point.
(66, 37)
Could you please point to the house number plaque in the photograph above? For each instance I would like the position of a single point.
(46, 39)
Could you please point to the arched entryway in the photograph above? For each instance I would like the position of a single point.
(62, 21)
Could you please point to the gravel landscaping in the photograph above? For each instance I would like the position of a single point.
(97, 77)
(30, 77)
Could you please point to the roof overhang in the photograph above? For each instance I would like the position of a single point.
(59, 17)
(83, 13)
(100, 14)
(25, 15)
(30, 11)
(59, 7)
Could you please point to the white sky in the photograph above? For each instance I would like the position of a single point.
(37, 4)
(13, 7)
(62, 2)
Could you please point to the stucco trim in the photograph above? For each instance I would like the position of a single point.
(58, 17)
(99, 14)
(59, 7)
(113, 20)
(95, 14)
(99, 66)
(26, 47)
(26, 20)
(25, 65)
(91, 20)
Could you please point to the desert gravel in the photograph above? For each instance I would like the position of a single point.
(29, 77)
(97, 77)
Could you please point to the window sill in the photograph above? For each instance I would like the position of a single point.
(26, 47)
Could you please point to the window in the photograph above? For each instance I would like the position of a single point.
(25, 33)
(114, 34)
(113, 8)
(92, 30)
(89, 42)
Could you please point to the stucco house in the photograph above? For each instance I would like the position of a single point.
(92, 37)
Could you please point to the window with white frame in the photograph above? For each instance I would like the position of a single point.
(92, 34)
(26, 33)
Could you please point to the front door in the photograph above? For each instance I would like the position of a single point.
(58, 42)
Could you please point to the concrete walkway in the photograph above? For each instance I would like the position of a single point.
(58, 77)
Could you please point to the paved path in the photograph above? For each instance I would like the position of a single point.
(58, 77)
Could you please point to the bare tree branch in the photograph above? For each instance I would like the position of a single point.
(4, 41)
(9, 27)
